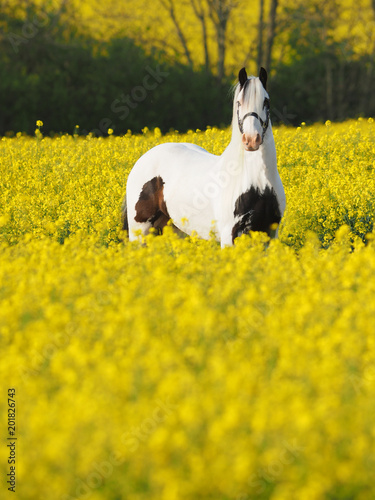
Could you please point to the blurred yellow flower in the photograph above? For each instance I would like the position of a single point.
(173, 369)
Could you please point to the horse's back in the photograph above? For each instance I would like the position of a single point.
(171, 154)
(168, 179)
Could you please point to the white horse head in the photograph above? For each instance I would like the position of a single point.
(251, 109)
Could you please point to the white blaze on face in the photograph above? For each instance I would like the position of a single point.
(251, 100)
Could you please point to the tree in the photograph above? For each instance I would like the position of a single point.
(220, 11)
(260, 34)
(169, 6)
(271, 34)
(217, 12)
(200, 12)
(264, 54)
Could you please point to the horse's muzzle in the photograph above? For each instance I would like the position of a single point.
(251, 142)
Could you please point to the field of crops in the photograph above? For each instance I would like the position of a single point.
(177, 370)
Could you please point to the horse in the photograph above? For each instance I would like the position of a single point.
(205, 194)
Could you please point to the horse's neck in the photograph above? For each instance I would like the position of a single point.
(267, 152)
(250, 168)
(240, 170)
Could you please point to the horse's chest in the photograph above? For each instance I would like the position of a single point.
(256, 210)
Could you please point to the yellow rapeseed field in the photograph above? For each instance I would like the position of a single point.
(177, 370)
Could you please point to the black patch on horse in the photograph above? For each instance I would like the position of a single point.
(257, 210)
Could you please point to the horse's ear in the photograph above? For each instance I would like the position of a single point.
(263, 77)
(242, 77)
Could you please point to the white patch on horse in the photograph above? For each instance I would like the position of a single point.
(239, 191)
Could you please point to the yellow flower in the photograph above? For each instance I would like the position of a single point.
(4, 219)
(39, 123)
(196, 356)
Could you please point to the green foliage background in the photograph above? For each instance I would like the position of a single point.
(57, 66)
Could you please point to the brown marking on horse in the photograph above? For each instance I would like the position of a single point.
(151, 206)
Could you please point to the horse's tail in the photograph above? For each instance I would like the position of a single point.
(124, 216)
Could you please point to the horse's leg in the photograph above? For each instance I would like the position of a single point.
(226, 236)
(138, 228)
(124, 216)
(273, 233)
(128, 223)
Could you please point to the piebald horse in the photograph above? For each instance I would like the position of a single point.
(227, 195)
